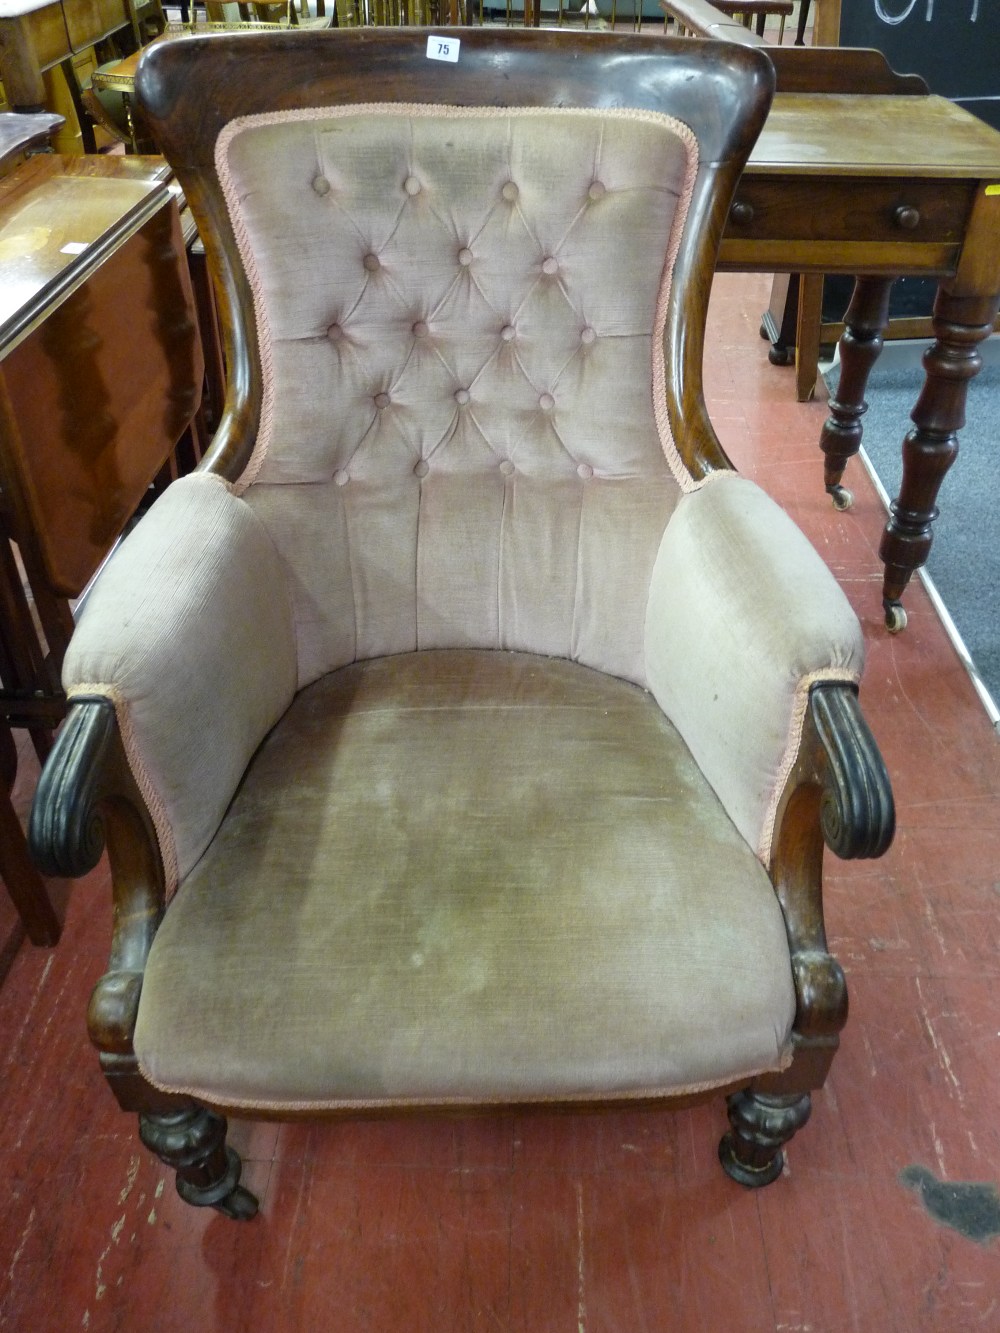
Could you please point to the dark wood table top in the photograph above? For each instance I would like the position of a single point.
(56, 214)
(20, 131)
(861, 134)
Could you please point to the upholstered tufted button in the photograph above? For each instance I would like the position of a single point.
(507, 468)
(510, 192)
(550, 265)
(508, 333)
(597, 190)
(412, 186)
(421, 469)
(462, 396)
(321, 185)
(372, 263)
(546, 402)
(420, 329)
(341, 477)
(465, 256)
(335, 333)
(585, 471)
(587, 336)
(382, 400)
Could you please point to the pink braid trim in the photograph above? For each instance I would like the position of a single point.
(710, 478)
(209, 1097)
(670, 451)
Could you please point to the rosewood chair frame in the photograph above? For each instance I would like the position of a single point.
(837, 791)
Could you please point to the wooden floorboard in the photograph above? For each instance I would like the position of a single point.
(597, 1222)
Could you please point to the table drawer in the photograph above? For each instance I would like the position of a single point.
(89, 20)
(812, 208)
(45, 34)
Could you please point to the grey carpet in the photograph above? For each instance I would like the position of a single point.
(964, 562)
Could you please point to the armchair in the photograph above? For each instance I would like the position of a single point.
(464, 732)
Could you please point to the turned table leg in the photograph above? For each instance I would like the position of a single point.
(24, 884)
(865, 323)
(808, 319)
(952, 360)
(20, 69)
(800, 32)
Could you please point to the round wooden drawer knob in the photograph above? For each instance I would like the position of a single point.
(741, 214)
(906, 217)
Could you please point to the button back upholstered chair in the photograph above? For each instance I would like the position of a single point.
(464, 732)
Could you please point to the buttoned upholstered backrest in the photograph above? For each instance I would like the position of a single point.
(459, 314)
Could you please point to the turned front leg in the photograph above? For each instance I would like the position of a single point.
(860, 345)
(752, 1152)
(930, 448)
(193, 1142)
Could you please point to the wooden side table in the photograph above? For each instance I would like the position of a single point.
(101, 371)
(875, 187)
(19, 135)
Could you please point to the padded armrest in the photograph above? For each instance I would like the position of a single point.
(189, 633)
(743, 617)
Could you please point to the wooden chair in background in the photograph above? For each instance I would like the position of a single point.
(283, 13)
(754, 13)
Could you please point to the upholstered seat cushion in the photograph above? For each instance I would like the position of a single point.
(468, 875)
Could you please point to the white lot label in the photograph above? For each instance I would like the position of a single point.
(443, 48)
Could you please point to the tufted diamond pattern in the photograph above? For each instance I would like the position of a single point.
(458, 313)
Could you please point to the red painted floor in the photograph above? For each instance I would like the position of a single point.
(591, 1223)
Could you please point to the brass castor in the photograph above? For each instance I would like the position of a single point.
(895, 618)
(842, 498)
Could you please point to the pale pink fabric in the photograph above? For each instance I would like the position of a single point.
(458, 311)
(189, 632)
(743, 616)
(463, 444)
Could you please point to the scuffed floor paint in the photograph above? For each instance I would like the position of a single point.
(971, 1209)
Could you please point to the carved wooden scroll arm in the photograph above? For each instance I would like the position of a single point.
(66, 831)
(857, 812)
(838, 793)
(87, 797)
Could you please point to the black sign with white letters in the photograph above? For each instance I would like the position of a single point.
(954, 44)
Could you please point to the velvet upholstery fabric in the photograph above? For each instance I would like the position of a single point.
(742, 618)
(462, 865)
(468, 875)
(560, 567)
(457, 312)
(192, 610)
(456, 288)
(459, 448)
